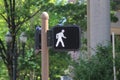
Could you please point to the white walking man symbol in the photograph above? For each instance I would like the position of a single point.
(59, 37)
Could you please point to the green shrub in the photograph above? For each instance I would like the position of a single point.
(98, 67)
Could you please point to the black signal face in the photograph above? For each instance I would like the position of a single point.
(66, 38)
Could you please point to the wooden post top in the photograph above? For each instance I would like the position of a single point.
(45, 15)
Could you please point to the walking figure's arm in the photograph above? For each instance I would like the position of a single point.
(56, 36)
(64, 37)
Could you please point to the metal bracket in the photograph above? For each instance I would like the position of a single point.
(49, 38)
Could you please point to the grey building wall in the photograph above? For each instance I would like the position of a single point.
(98, 26)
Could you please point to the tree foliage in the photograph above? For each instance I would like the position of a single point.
(14, 14)
(98, 67)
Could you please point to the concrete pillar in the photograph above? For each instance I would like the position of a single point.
(98, 26)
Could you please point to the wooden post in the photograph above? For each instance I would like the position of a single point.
(44, 48)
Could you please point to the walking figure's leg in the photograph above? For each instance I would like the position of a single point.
(62, 44)
(57, 43)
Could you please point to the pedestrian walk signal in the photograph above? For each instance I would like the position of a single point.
(60, 36)
(66, 38)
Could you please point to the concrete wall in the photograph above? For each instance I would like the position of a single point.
(98, 26)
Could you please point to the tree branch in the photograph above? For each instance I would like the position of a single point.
(7, 10)
(28, 18)
(25, 20)
(4, 18)
(14, 12)
(3, 52)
